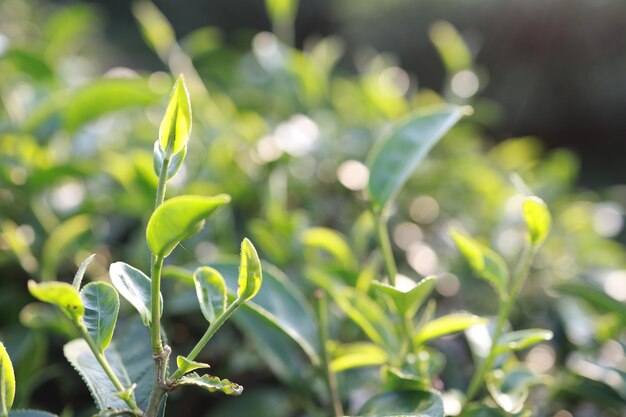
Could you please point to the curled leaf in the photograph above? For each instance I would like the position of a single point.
(176, 124)
(211, 383)
(211, 292)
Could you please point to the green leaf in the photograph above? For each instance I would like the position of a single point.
(522, 339)
(400, 152)
(446, 325)
(62, 238)
(176, 161)
(134, 286)
(101, 307)
(155, 28)
(357, 355)
(176, 124)
(60, 294)
(186, 365)
(510, 388)
(332, 242)
(78, 277)
(408, 302)
(211, 292)
(250, 274)
(7, 381)
(130, 357)
(211, 383)
(31, 413)
(281, 10)
(404, 403)
(537, 218)
(451, 46)
(485, 263)
(482, 411)
(595, 297)
(179, 218)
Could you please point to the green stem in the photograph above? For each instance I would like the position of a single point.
(506, 304)
(385, 246)
(155, 298)
(210, 332)
(102, 360)
(331, 380)
(162, 185)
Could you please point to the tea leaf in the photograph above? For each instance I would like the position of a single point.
(357, 355)
(331, 242)
(509, 388)
(158, 155)
(446, 325)
(179, 218)
(187, 366)
(30, 413)
(176, 124)
(404, 403)
(60, 294)
(134, 286)
(485, 263)
(408, 302)
(250, 274)
(595, 297)
(78, 277)
(101, 307)
(537, 218)
(522, 339)
(400, 152)
(62, 238)
(7, 381)
(211, 383)
(211, 292)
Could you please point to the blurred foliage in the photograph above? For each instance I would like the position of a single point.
(286, 133)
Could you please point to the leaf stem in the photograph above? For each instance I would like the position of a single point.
(331, 380)
(385, 246)
(210, 332)
(155, 299)
(102, 360)
(162, 185)
(504, 310)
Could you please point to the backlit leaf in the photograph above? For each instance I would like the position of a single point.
(522, 339)
(356, 355)
(408, 302)
(250, 274)
(176, 124)
(179, 218)
(7, 381)
(445, 325)
(60, 294)
(101, 307)
(186, 365)
(537, 218)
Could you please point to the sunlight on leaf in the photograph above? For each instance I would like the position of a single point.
(60, 294)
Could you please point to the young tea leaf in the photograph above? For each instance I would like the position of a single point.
(446, 325)
(409, 301)
(179, 218)
(537, 218)
(78, 278)
(484, 262)
(211, 383)
(134, 286)
(356, 355)
(61, 294)
(522, 339)
(332, 242)
(250, 274)
(211, 291)
(404, 403)
(176, 124)
(187, 366)
(7, 381)
(158, 155)
(401, 151)
(101, 307)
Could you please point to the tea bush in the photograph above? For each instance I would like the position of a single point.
(408, 267)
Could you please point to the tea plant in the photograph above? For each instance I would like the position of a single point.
(118, 378)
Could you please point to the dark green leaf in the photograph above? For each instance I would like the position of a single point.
(179, 218)
(101, 307)
(134, 286)
(211, 292)
(250, 274)
(176, 161)
(176, 124)
(446, 325)
(60, 294)
(400, 152)
(522, 339)
(404, 403)
(211, 383)
(7, 381)
(31, 413)
(485, 263)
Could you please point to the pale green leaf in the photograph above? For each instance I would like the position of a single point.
(179, 218)
(154, 26)
(250, 274)
(331, 242)
(399, 153)
(522, 339)
(281, 10)
(211, 383)
(485, 263)
(176, 161)
(211, 292)
(187, 365)
(78, 277)
(7, 381)
(445, 325)
(510, 388)
(408, 301)
(357, 355)
(451, 46)
(537, 218)
(134, 286)
(176, 124)
(101, 304)
(61, 294)
(405, 404)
